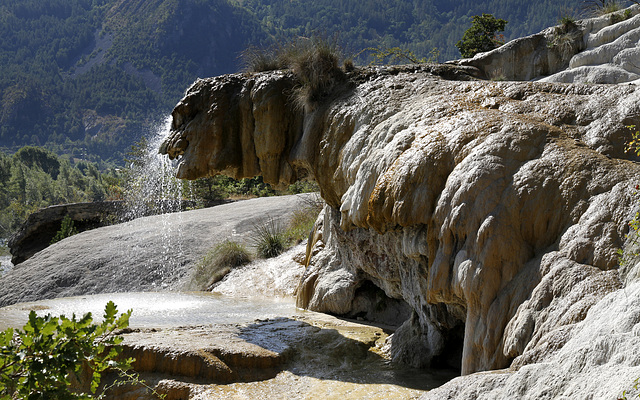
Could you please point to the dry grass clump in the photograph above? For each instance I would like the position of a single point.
(598, 8)
(217, 263)
(269, 239)
(315, 62)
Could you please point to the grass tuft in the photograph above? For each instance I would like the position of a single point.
(314, 61)
(303, 219)
(269, 239)
(217, 263)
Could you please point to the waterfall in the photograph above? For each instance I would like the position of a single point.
(153, 189)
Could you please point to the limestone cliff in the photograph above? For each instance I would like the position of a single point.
(493, 209)
(596, 50)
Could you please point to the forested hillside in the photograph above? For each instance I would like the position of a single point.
(88, 78)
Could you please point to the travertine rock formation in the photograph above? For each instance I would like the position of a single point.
(493, 209)
(596, 50)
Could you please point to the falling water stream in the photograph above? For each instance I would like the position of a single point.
(153, 189)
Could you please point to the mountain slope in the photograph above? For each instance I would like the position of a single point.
(89, 77)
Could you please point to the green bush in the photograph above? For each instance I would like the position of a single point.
(481, 36)
(66, 229)
(269, 239)
(217, 263)
(61, 358)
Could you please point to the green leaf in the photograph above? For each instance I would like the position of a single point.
(110, 311)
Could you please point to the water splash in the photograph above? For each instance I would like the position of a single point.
(153, 189)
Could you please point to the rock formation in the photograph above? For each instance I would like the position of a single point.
(494, 209)
(596, 50)
(146, 254)
(41, 226)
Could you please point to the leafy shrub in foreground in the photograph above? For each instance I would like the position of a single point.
(61, 358)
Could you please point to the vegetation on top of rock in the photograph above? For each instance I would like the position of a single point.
(217, 263)
(482, 36)
(67, 229)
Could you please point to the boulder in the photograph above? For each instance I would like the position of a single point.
(42, 226)
(146, 254)
(596, 50)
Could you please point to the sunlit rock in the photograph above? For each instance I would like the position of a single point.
(492, 209)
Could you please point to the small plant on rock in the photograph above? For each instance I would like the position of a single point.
(67, 229)
(218, 262)
(302, 220)
(269, 239)
(314, 61)
(396, 55)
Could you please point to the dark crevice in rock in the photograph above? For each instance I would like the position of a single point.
(370, 303)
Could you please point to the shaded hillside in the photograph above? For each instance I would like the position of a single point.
(89, 77)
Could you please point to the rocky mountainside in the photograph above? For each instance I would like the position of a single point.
(493, 209)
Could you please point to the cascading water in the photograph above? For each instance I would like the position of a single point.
(153, 189)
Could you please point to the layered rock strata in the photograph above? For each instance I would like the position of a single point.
(493, 209)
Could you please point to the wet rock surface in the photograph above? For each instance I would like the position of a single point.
(146, 254)
(289, 353)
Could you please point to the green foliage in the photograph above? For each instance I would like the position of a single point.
(60, 357)
(481, 36)
(567, 23)
(269, 239)
(302, 220)
(87, 77)
(66, 229)
(223, 187)
(34, 178)
(396, 55)
(217, 263)
(303, 187)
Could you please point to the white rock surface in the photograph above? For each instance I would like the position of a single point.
(493, 209)
(147, 254)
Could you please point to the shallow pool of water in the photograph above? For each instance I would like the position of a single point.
(327, 358)
(157, 309)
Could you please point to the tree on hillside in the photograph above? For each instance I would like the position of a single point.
(481, 36)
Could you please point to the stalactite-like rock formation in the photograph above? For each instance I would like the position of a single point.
(493, 209)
